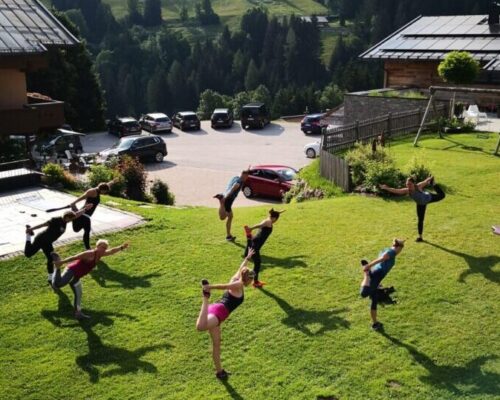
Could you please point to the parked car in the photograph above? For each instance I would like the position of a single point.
(141, 146)
(56, 144)
(312, 149)
(313, 124)
(124, 126)
(156, 122)
(255, 115)
(186, 120)
(269, 180)
(222, 117)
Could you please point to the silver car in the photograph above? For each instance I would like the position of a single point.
(156, 122)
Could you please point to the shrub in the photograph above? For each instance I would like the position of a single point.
(55, 175)
(359, 157)
(458, 67)
(417, 169)
(103, 173)
(382, 172)
(135, 178)
(161, 193)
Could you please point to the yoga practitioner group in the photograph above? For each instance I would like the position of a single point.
(211, 316)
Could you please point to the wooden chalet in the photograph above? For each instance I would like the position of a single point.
(27, 33)
(412, 54)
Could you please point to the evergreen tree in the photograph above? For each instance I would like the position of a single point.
(252, 77)
(152, 13)
(134, 16)
(184, 13)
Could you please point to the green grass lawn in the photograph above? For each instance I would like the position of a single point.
(307, 335)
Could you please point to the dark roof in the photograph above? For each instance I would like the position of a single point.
(27, 27)
(431, 38)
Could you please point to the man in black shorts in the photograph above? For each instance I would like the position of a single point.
(226, 201)
(44, 240)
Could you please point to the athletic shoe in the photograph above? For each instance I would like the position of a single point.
(258, 284)
(29, 231)
(363, 263)
(377, 326)
(219, 196)
(230, 238)
(222, 375)
(248, 232)
(419, 239)
(55, 257)
(80, 315)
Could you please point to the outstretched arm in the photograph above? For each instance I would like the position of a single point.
(424, 183)
(233, 190)
(265, 222)
(401, 191)
(88, 193)
(115, 250)
(40, 226)
(80, 256)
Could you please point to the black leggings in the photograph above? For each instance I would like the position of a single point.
(40, 243)
(83, 222)
(68, 276)
(371, 290)
(438, 196)
(256, 256)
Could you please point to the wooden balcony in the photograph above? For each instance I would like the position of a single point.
(32, 118)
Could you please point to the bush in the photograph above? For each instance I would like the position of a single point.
(458, 67)
(359, 157)
(382, 172)
(417, 169)
(103, 173)
(135, 178)
(55, 175)
(161, 193)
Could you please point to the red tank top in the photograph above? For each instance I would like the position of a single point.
(81, 268)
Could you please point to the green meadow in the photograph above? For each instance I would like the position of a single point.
(307, 334)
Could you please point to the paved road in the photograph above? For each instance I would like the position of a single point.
(200, 163)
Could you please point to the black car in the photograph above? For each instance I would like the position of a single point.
(255, 115)
(141, 146)
(124, 126)
(222, 117)
(186, 120)
(57, 143)
(313, 124)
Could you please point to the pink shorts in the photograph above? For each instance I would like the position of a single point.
(219, 310)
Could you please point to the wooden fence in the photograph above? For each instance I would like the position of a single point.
(335, 169)
(391, 125)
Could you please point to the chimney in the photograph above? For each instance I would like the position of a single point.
(494, 14)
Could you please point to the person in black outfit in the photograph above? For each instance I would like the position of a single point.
(91, 196)
(44, 240)
(213, 315)
(256, 242)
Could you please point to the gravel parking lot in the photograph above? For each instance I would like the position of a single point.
(200, 163)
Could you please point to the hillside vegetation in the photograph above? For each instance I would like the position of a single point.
(307, 334)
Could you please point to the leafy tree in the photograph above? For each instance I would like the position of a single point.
(210, 100)
(262, 95)
(330, 97)
(239, 100)
(458, 67)
(152, 13)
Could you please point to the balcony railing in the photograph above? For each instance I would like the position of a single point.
(32, 118)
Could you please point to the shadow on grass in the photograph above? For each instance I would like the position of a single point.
(103, 275)
(99, 354)
(305, 320)
(471, 375)
(285, 262)
(477, 265)
(462, 146)
(231, 391)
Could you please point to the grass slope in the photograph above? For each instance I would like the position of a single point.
(307, 334)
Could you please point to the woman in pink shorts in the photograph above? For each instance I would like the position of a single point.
(212, 315)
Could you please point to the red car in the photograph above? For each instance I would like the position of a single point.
(269, 181)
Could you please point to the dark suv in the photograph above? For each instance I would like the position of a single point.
(313, 124)
(222, 117)
(124, 126)
(255, 115)
(186, 120)
(141, 146)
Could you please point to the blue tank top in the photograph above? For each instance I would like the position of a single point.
(421, 197)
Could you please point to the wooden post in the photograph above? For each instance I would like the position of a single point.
(431, 101)
(357, 130)
(389, 126)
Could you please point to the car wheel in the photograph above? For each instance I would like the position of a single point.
(159, 157)
(247, 191)
(261, 124)
(311, 153)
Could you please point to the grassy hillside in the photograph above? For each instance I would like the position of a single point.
(307, 335)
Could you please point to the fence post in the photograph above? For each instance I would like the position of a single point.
(357, 130)
(389, 125)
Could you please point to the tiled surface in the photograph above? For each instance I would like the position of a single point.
(20, 208)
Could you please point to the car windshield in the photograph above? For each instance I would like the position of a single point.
(123, 144)
(164, 119)
(190, 117)
(249, 112)
(220, 115)
(287, 174)
(130, 124)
